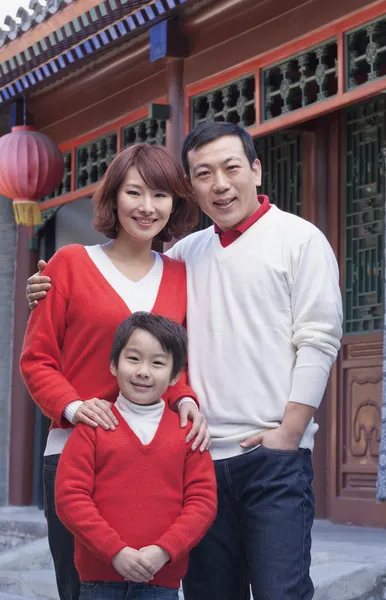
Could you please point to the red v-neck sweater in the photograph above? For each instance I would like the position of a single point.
(70, 333)
(112, 491)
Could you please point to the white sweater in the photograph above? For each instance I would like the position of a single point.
(264, 324)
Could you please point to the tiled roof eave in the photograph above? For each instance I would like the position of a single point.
(55, 53)
(28, 20)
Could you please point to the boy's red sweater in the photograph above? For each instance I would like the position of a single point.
(70, 333)
(112, 491)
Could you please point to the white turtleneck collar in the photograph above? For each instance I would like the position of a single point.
(143, 419)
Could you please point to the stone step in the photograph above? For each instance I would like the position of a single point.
(341, 580)
(20, 525)
(33, 556)
(347, 581)
(337, 571)
(5, 596)
(29, 584)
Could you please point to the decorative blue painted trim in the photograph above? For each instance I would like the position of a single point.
(22, 65)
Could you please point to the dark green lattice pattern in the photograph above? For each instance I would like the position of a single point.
(366, 53)
(93, 158)
(148, 131)
(281, 157)
(65, 185)
(364, 217)
(232, 103)
(301, 80)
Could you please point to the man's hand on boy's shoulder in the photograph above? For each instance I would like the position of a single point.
(156, 555)
(133, 565)
(190, 412)
(37, 286)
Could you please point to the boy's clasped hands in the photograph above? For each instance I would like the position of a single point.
(141, 565)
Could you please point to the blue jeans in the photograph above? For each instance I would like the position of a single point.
(262, 534)
(117, 590)
(61, 541)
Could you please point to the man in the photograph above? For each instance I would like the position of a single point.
(264, 324)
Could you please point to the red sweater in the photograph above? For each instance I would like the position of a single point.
(112, 491)
(70, 334)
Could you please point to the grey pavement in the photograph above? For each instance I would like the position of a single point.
(348, 563)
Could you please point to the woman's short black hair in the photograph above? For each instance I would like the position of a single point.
(205, 133)
(171, 335)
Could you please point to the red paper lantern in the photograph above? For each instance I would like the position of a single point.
(31, 167)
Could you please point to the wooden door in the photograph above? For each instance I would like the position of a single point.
(355, 389)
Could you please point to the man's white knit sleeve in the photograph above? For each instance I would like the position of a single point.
(176, 251)
(185, 400)
(70, 410)
(317, 319)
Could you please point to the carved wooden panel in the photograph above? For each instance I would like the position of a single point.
(360, 416)
(365, 419)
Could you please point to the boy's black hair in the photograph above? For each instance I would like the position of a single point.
(204, 133)
(171, 335)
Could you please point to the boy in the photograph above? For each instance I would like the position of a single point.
(137, 499)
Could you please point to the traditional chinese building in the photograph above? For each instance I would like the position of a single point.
(307, 80)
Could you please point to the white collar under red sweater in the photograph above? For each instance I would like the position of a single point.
(143, 419)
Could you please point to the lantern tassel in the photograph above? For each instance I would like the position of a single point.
(27, 212)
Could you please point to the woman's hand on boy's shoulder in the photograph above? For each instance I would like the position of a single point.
(96, 412)
(133, 565)
(199, 430)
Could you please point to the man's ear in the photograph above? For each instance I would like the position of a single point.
(188, 179)
(256, 168)
(175, 379)
(113, 369)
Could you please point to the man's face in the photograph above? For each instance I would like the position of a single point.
(224, 183)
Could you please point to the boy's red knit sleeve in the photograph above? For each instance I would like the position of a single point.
(73, 496)
(41, 355)
(199, 510)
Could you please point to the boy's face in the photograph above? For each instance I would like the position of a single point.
(223, 181)
(144, 369)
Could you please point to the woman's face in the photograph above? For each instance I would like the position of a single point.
(142, 211)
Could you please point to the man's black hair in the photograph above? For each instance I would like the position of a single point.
(204, 133)
(171, 335)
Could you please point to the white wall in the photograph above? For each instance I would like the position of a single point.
(74, 225)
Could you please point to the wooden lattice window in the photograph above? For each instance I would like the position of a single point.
(93, 158)
(366, 53)
(301, 80)
(234, 103)
(281, 157)
(149, 131)
(364, 217)
(65, 185)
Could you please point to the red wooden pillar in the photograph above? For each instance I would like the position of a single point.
(175, 124)
(22, 406)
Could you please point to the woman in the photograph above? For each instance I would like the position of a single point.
(65, 360)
